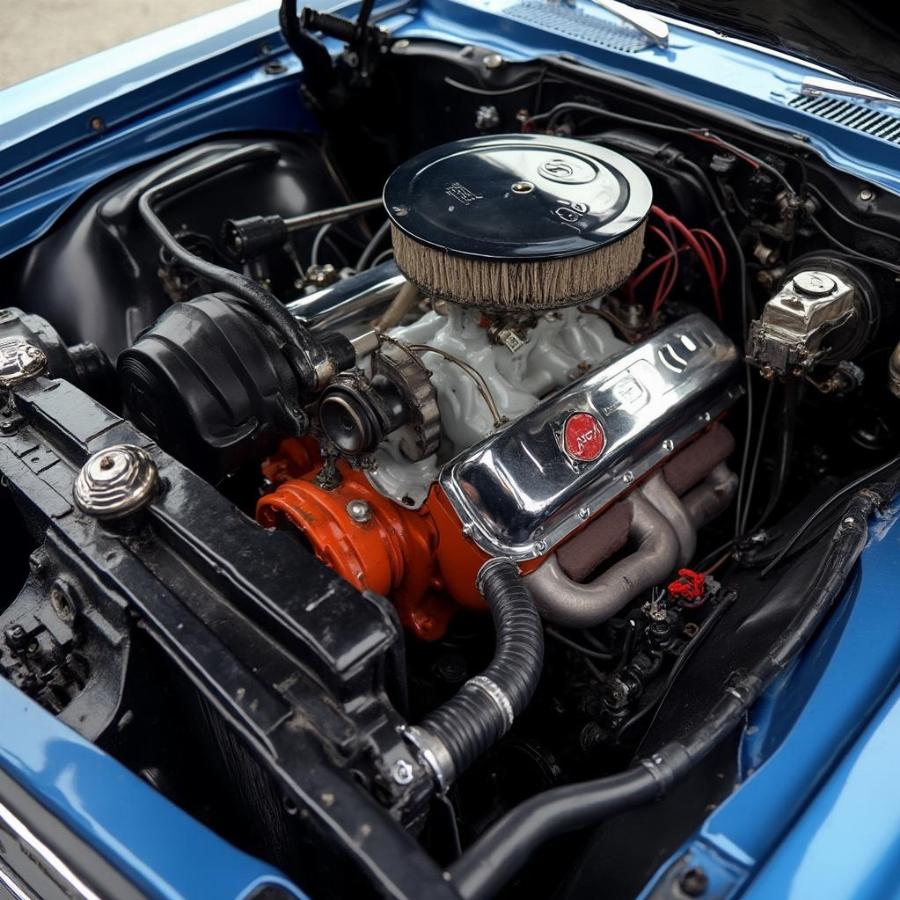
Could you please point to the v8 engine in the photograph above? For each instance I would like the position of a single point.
(505, 421)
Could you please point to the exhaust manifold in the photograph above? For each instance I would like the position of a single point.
(661, 525)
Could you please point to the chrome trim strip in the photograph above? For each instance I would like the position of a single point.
(6, 877)
(72, 884)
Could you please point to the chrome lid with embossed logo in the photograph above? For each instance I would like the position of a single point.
(518, 197)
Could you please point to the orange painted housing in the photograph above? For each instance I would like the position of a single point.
(417, 557)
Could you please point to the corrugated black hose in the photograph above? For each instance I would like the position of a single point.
(499, 853)
(453, 736)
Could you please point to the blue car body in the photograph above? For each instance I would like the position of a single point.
(817, 813)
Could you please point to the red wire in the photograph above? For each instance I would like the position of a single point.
(696, 246)
(723, 259)
(712, 139)
(634, 282)
(710, 253)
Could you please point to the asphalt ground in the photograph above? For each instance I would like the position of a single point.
(39, 35)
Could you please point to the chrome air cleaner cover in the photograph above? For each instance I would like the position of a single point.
(518, 222)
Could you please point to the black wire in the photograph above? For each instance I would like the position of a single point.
(596, 642)
(740, 152)
(859, 255)
(574, 645)
(810, 520)
(447, 803)
(599, 111)
(627, 645)
(494, 92)
(785, 446)
(746, 315)
(754, 467)
(714, 555)
(841, 215)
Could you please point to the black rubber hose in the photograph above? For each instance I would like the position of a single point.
(305, 351)
(484, 708)
(318, 69)
(499, 853)
(785, 447)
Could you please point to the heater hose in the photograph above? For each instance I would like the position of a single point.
(452, 737)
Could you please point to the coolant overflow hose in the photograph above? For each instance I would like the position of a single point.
(452, 737)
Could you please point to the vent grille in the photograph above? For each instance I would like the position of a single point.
(573, 23)
(857, 116)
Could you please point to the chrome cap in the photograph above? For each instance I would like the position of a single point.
(116, 481)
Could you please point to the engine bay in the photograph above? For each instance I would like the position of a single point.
(416, 500)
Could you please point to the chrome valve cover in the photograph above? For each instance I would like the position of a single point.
(521, 491)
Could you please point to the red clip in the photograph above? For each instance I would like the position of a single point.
(689, 585)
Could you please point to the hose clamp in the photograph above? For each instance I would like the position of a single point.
(486, 568)
(498, 696)
(656, 766)
(432, 754)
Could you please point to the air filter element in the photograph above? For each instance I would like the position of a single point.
(518, 222)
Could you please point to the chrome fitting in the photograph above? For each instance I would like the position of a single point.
(20, 360)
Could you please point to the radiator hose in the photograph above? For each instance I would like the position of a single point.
(452, 737)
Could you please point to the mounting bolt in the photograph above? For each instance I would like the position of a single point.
(628, 477)
(402, 773)
(493, 61)
(38, 562)
(866, 194)
(359, 511)
(15, 636)
(668, 445)
(115, 482)
(694, 882)
(584, 512)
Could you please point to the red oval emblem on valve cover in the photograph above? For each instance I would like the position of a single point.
(583, 437)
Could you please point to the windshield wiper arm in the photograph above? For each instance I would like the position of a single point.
(816, 86)
(648, 24)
